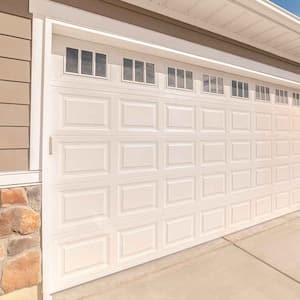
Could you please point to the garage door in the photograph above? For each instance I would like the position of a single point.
(150, 156)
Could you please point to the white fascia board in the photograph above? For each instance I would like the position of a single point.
(284, 15)
(26, 178)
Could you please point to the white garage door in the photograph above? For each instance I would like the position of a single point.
(150, 156)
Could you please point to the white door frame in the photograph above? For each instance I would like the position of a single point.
(185, 52)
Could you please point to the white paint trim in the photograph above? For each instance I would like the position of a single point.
(134, 38)
(46, 201)
(284, 14)
(36, 94)
(20, 178)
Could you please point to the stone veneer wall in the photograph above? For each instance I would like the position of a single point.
(20, 250)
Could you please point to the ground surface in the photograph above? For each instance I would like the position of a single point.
(260, 263)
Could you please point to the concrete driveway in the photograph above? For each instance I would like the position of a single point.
(260, 263)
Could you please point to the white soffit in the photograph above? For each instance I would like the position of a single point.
(259, 23)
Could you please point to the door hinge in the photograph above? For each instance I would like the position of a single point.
(50, 146)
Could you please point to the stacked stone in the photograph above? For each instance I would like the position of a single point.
(20, 251)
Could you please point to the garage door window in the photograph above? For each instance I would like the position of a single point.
(72, 60)
(296, 99)
(213, 84)
(239, 89)
(138, 71)
(262, 93)
(101, 65)
(180, 78)
(86, 62)
(281, 96)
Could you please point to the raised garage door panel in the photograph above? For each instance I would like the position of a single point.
(138, 171)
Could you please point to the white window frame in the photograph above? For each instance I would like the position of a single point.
(155, 84)
(265, 87)
(79, 64)
(175, 87)
(295, 93)
(237, 89)
(217, 85)
(284, 91)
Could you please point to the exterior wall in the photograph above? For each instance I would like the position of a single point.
(15, 59)
(20, 251)
(131, 14)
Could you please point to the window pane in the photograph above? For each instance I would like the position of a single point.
(189, 79)
(72, 60)
(263, 94)
(220, 85)
(206, 83)
(257, 92)
(150, 74)
(213, 84)
(100, 65)
(86, 62)
(234, 88)
(240, 89)
(180, 78)
(246, 90)
(139, 71)
(281, 97)
(268, 94)
(277, 96)
(286, 97)
(171, 77)
(127, 69)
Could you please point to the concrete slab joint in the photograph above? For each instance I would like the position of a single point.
(20, 250)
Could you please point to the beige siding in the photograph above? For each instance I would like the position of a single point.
(13, 160)
(14, 115)
(13, 47)
(15, 70)
(16, 7)
(14, 137)
(14, 92)
(15, 64)
(15, 26)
